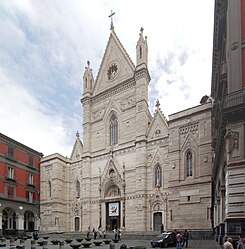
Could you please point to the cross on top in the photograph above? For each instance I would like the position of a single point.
(111, 16)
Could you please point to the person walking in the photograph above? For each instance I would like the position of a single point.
(94, 233)
(185, 238)
(162, 228)
(228, 244)
(179, 239)
(88, 232)
(241, 242)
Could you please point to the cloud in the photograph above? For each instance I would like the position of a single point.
(45, 46)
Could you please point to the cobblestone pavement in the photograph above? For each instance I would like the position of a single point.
(194, 244)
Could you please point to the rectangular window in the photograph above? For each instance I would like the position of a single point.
(10, 152)
(30, 180)
(10, 173)
(188, 198)
(10, 192)
(208, 213)
(171, 215)
(30, 160)
(29, 196)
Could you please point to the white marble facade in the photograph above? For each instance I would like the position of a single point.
(130, 169)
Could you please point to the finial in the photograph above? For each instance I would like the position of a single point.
(111, 16)
(77, 134)
(141, 30)
(157, 103)
(88, 63)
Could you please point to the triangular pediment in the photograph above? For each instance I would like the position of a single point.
(116, 66)
(159, 158)
(77, 150)
(189, 141)
(112, 107)
(159, 126)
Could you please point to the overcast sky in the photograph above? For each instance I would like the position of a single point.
(45, 44)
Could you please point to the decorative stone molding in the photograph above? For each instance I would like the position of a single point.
(98, 115)
(232, 140)
(188, 129)
(127, 103)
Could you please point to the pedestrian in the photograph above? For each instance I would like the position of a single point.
(100, 231)
(88, 232)
(119, 235)
(35, 235)
(94, 233)
(228, 244)
(104, 234)
(179, 239)
(162, 228)
(241, 242)
(185, 238)
(115, 233)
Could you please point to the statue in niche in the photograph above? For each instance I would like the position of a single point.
(113, 191)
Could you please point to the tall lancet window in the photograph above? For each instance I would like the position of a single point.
(158, 176)
(49, 189)
(189, 163)
(77, 189)
(113, 130)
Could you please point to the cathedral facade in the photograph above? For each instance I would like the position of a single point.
(131, 169)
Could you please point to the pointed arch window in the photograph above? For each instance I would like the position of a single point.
(78, 189)
(158, 176)
(113, 130)
(189, 164)
(140, 52)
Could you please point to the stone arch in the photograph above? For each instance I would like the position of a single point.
(29, 221)
(9, 219)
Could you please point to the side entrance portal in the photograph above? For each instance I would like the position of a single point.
(157, 221)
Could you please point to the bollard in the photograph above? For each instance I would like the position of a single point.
(12, 242)
(112, 246)
(61, 244)
(22, 243)
(33, 244)
(45, 244)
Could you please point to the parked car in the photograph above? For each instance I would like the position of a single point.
(163, 239)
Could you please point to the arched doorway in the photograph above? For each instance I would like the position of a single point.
(157, 221)
(8, 221)
(29, 221)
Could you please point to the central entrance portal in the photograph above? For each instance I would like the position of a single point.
(112, 215)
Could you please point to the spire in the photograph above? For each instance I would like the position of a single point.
(142, 49)
(88, 79)
(111, 16)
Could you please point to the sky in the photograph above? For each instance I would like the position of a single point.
(45, 46)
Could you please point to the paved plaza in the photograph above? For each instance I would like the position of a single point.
(197, 244)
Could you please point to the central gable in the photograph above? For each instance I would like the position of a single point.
(116, 66)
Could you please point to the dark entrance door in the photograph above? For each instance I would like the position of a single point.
(157, 221)
(76, 223)
(112, 215)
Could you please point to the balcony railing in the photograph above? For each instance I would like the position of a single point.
(235, 99)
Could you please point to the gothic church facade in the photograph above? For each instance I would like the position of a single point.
(131, 170)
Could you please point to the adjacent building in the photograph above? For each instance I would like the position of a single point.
(228, 118)
(132, 170)
(19, 187)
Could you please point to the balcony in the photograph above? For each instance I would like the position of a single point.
(234, 105)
